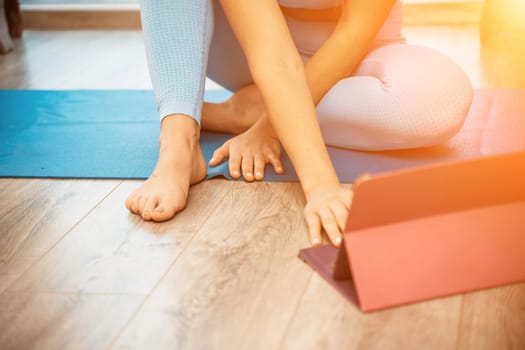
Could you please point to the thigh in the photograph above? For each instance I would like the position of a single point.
(401, 96)
(227, 64)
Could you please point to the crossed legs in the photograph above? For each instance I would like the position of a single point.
(401, 96)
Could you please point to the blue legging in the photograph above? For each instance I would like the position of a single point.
(400, 96)
(177, 35)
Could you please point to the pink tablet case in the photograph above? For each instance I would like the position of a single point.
(429, 232)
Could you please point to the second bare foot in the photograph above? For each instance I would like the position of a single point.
(236, 115)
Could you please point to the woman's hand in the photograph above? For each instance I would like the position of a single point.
(250, 151)
(326, 211)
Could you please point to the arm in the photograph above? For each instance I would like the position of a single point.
(274, 62)
(358, 23)
(339, 56)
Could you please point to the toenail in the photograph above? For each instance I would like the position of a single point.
(258, 174)
(249, 174)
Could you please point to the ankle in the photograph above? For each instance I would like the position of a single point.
(178, 127)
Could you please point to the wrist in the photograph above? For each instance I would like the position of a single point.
(265, 124)
(311, 186)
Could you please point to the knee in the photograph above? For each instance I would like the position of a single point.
(420, 99)
(399, 122)
(424, 126)
(433, 96)
(437, 106)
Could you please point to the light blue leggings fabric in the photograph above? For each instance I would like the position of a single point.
(177, 36)
(400, 96)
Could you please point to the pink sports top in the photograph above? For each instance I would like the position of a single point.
(309, 36)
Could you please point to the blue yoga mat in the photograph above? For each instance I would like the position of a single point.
(91, 134)
(113, 134)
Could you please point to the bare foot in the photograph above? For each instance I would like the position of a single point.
(236, 115)
(180, 164)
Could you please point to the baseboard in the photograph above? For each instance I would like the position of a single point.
(81, 16)
(126, 16)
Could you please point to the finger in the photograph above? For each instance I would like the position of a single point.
(247, 168)
(150, 204)
(346, 198)
(276, 163)
(258, 167)
(341, 214)
(314, 228)
(220, 154)
(235, 165)
(330, 226)
(361, 178)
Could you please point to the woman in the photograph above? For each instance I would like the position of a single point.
(305, 73)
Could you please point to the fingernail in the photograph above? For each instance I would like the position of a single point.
(160, 210)
(338, 240)
(249, 174)
(235, 173)
(315, 241)
(279, 169)
(258, 174)
(145, 212)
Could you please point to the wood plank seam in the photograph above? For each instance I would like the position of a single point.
(297, 306)
(61, 238)
(141, 305)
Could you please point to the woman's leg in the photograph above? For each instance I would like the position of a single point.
(177, 36)
(227, 63)
(401, 96)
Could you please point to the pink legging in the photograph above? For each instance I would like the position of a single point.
(400, 96)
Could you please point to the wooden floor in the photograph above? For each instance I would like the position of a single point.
(77, 271)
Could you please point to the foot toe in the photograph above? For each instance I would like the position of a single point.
(149, 205)
(165, 210)
(129, 201)
(135, 203)
(162, 214)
